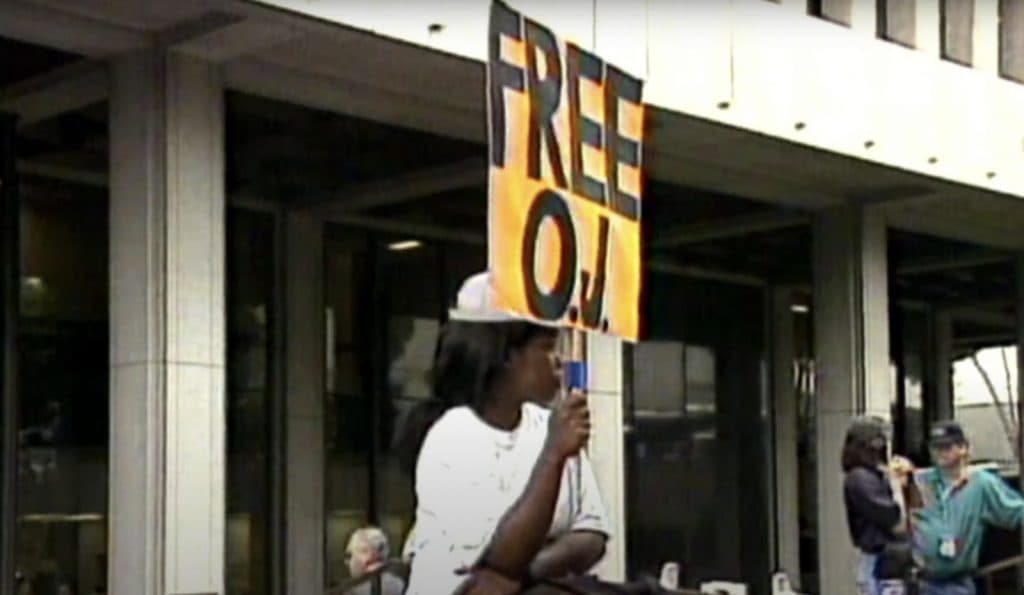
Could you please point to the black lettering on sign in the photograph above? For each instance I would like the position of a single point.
(592, 284)
(582, 130)
(552, 304)
(618, 149)
(545, 95)
(503, 75)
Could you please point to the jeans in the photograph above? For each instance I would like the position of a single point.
(867, 584)
(958, 587)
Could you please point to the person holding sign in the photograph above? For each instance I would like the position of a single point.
(497, 503)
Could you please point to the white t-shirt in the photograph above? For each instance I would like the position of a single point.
(468, 475)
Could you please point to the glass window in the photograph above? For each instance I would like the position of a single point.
(63, 368)
(348, 400)
(957, 22)
(804, 383)
(251, 311)
(897, 21)
(911, 353)
(413, 282)
(385, 291)
(697, 436)
(380, 345)
(984, 394)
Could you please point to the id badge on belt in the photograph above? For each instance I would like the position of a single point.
(948, 547)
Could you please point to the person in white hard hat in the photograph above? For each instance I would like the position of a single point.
(496, 503)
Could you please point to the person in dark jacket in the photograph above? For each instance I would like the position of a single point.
(872, 491)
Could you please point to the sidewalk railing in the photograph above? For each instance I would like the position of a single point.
(401, 569)
(396, 566)
(988, 574)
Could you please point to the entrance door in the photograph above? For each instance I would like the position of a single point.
(698, 451)
(329, 343)
(253, 404)
(385, 297)
(379, 299)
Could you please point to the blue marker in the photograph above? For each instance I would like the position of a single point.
(576, 375)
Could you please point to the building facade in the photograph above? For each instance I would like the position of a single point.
(231, 230)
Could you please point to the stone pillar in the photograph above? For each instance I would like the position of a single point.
(985, 36)
(304, 406)
(606, 449)
(167, 328)
(928, 27)
(851, 329)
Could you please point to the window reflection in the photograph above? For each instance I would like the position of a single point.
(250, 311)
(63, 399)
(910, 417)
(412, 280)
(380, 346)
(697, 441)
(348, 413)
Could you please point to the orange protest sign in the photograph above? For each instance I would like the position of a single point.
(566, 139)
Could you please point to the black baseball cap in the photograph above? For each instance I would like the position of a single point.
(947, 433)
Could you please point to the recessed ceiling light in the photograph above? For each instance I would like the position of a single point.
(33, 282)
(404, 245)
(800, 308)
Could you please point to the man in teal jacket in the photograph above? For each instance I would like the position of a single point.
(958, 504)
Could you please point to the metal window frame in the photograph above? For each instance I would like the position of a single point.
(9, 297)
(277, 371)
(276, 383)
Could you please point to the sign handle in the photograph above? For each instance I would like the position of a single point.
(576, 362)
(576, 378)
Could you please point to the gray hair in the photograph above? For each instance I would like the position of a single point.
(373, 538)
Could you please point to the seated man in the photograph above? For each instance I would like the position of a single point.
(368, 552)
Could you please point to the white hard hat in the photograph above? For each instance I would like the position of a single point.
(475, 303)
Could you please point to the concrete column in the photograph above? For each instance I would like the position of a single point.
(943, 365)
(167, 326)
(985, 36)
(864, 17)
(786, 417)
(851, 323)
(798, 6)
(607, 448)
(928, 27)
(304, 406)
